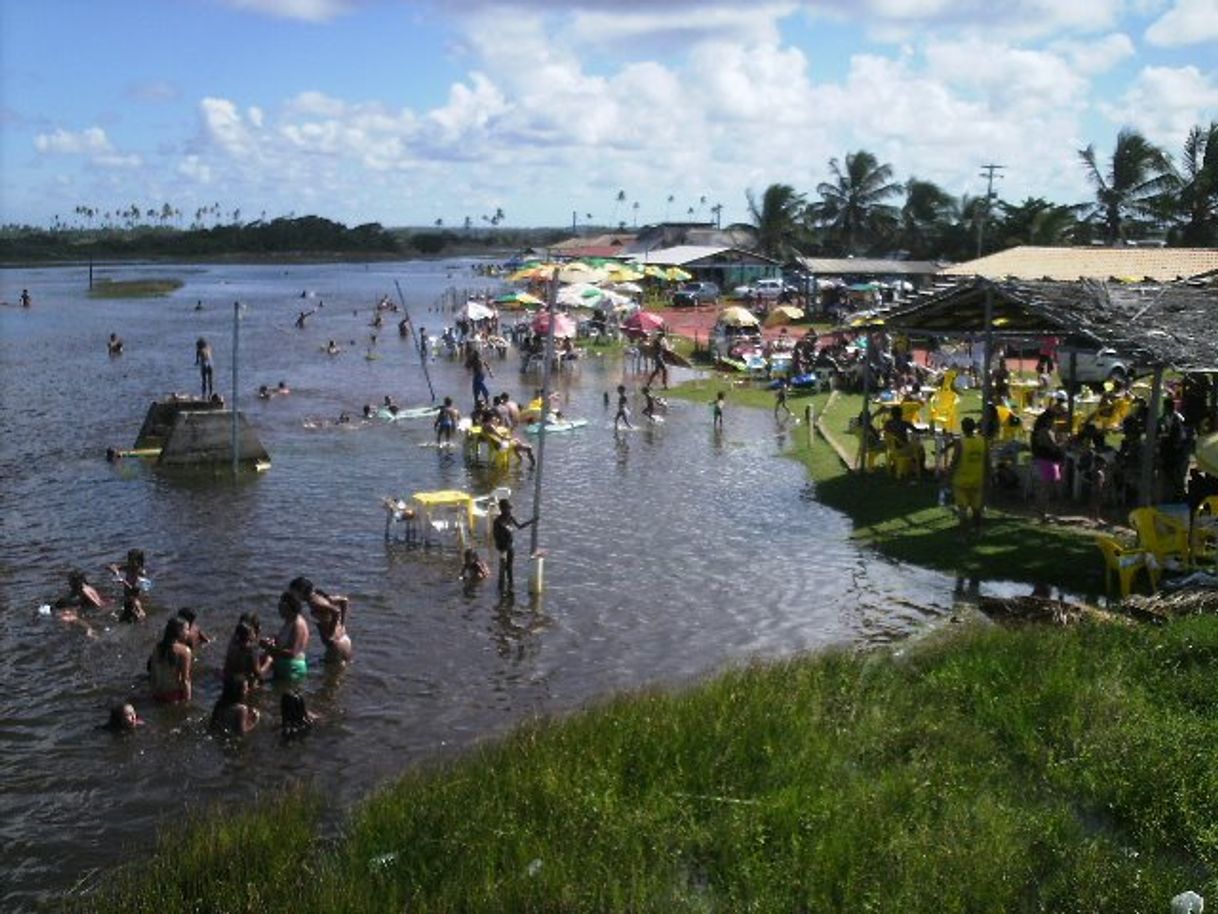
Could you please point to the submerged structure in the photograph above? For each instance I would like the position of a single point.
(199, 434)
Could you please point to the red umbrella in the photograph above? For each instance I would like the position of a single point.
(642, 323)
(564, 326)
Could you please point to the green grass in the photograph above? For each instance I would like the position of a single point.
(997, 770)
(904, 521)
(134, 288)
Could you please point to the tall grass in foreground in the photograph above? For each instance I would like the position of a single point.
(991, 770)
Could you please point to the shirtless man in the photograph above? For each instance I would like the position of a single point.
(330, 613)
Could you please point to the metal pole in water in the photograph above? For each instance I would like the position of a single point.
(535, 561)
(236, 341)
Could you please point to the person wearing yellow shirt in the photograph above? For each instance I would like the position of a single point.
(968, 469)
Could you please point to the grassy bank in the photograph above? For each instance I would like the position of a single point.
(134, 288)
(996, 770)
(904, 521)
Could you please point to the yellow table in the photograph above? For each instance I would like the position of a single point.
(429, 503)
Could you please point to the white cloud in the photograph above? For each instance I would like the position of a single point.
(1165, 103)
(194, 169)
(92, 143)
(224, 126)
(1096, 55)
(307, 10)
(1187, 22)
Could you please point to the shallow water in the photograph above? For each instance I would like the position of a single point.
(672, 552)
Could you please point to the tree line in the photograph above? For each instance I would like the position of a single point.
(1140, 193)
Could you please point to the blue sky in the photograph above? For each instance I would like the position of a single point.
(407, 112)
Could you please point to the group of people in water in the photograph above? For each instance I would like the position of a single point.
(250, 659)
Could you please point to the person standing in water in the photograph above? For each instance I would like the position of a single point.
(330, 613)
(25, 298)
(170, 664)
(623, 409)
(503, 532)
(446, 422)
(717, 411)
(288, 647)
(203, 360)
(780, 400)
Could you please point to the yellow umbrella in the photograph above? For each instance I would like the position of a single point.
(624, 274)
(737, 316)
(784, 314)
(535, 271)
(676, 274)
(578, 271)
(655, 272)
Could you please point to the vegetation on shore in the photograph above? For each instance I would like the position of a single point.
(133, 288)
(986, 769)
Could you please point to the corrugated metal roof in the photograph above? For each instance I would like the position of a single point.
(1069, 264)
(684, 254)
(867, 266)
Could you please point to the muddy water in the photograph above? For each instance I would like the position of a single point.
(672, 553)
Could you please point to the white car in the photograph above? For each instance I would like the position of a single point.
(762, 290)
(1094, 366)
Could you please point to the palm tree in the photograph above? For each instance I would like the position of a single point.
(852, 206)
(1133, 186)
(717, 210)
(1197, 203)
(1036, 221)
(928, 211)
(779, 220)
(635, 207)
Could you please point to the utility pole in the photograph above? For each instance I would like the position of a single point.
(987, 172)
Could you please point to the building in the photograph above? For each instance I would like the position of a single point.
(1067, 264)
(727, 267)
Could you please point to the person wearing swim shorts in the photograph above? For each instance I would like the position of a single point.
(446, 421)
(623, 408)
(287, 649)
(203, 360)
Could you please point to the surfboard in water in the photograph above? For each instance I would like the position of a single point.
(562, 425)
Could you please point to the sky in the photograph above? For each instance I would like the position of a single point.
(405, 112)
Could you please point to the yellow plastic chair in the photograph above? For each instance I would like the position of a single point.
(900, 463)
(1164, 537)
(1007, 431)
(1124, 562)
(1204, 545)
(874, 452)
(943, 405)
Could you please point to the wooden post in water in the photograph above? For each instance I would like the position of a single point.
(233, 405)
(535, 561)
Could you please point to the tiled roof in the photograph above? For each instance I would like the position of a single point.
(1069, 264)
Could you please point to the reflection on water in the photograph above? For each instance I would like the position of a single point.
(673, 550)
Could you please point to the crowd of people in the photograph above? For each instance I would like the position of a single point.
(250, 659)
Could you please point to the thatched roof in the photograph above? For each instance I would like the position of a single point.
(1072, 264)
(1172, 325)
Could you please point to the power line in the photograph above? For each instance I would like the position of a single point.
(987, 172)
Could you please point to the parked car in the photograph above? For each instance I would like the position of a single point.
(763, 290)
(1095, 366)
(695, 293)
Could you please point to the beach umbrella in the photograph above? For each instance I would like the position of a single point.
(531, 271)
(476, 311)
(623, 274)
(519, 298)
(737, 316)
(564, 325)
(655, 272)
(629, 286)
(578, 271)
(580, 293)
(784, 314)
(676, 274)
(642, 323)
